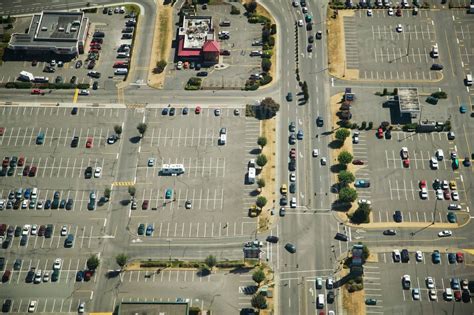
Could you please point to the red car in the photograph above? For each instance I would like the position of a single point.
(6, 161)
(380, 133)
(459, 257)
(37, 91)
(422, 184)
(406, 163)
(41, 230)
(358, 162)
(197, 110)
(145, 205)
(293, 153)
(26, 170)
(447, 195)
(96, 46)
(457, 295)
(32, 171)
(399, 12)
(21, 161)
(2, 131)
(88, 275)
(93, 50)
(89, 143)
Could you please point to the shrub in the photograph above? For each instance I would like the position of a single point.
(362, 214)
(266, 79)
(193, 84)
(440, 95)
(369, 127)
(273, 29)
(251, 85)
(234, 10)
(363, 125)
(271, 41)
(160, 66)
(251, 6)
(83, 86)
(266, 64)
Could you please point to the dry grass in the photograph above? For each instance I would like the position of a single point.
(268, 129)
(353, 303)
(336, 47)
(161, 44)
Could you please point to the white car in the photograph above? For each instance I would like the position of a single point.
(416, 294)
(439, 194)
(369, 12)
(424, 193)
(46, 276)
(151, 162)
(300, 23)
(430, 283)
(454, 206)
(26, 229)
(315, 152)
(82, 308)
(217, 112)
(390, 11)
(364, 201)
(440, 154)
(445, 233)
(38, 276)
(323, 161)
(84, 92)
(293, 202)
(355, 139)
(419, 256)
(32, 306)
(433, 295)
(434, 163)
(304, 9)
(39, 205)
(98, 172)
(445, 184)
(34, 229)
(399, 28)
(2, 204)
(396, 255)
(406, 281)
(24, 204)
(57, 264)
(64, 230)
(292, 177)
(188, 204)
(455, 195)
(454, 154)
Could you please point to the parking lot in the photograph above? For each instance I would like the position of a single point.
(213, 180)
(464, 26)
(238, 66)
(389, 178)
(382, 281)
(380, 52)
(70, 71)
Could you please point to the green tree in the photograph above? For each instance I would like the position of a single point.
(251, 6)
(261, 201)
(234, 10)
(344, 158)
(93, 262)
(121, 260)
(118, 130)
(262, 141)
(365, 251)
(160, 66)
(362, 214)
(210, 261)
(266, 64)
(261, 182)
(132, 190)
(342, 134)
(259, 301)
(345, 177)
(268, 108)
(258, 276)
(347, 194)
(261, 160)
(107, 192)
(142, 128)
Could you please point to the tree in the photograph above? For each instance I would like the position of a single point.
(347, 194)
(273, 29)
(262, 141)
(345, 177)
(261, 182)
(344, 158)
(142, 128)
(342, 134)
(258, 276)
(261, 201)
(132, 190)
(93, 262)
(210, 261)
(266, 64)
(251, 6)
(160, 66)
(268, 108)
(362, 214)
(121, 260)
(365, 251)
(118, 130)
(107, 192)
(234, 10)
(261, 160)
(259, 301)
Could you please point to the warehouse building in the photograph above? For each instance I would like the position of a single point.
(51, 33)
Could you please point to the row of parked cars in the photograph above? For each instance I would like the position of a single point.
(7, 234)
(458, 290)
(28, 198)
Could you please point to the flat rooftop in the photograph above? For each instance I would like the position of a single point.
(196, 30)
(153, 308)
(408, 100)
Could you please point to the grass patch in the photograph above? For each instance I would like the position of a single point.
(164, 31)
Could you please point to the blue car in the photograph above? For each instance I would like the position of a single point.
(27, 193)
(56, 195)
(79, 275)
(362, 183)
(300, 135)
(149, 230)
(436, 257)
(169, 193)
(452, 258)
(463, 109)
(164, 111)
(47, 204)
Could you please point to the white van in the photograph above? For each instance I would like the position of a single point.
(121, 71)
(222, 139)
(320, 301)
(469, 79)
(434, 51)
(34, 193)
(448, 294)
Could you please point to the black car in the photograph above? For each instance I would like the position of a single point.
(172, 111)
(436, 66)
(88, 172)
(309, 27)
(292, 165)
(17, 264)
(127, 36)
(6, 242)
(95, 86)
(62, 205)
(202, 74)
(17, 231)
(74, 142)
(23, 240)
(388, 134)
(405, 256)
(310, 48)
(330, 297)
(319, 35)
(340, 237)
(94, 74)
(466, 296)
(319, 121)
(59, 79)
(78, 64)
(69, 204)
(272, 239)
(73, 80)
(452, 258)
(49, 231)
(74, 111)
(389, 232)
(292, 188)
(283, 201)
(7, 305)
(311, 39)
(164, 111)
(47, 204)
(30, 276)
(49, 69)
(104, 11)
(290, 248)
(2, 263)
(398, 216)
(185, 111)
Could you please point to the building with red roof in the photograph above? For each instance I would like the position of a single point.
(196, 40)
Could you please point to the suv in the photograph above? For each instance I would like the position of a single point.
(405, 256)
(406, 282)
(319, 121)
(396, 255)
(88, 172)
